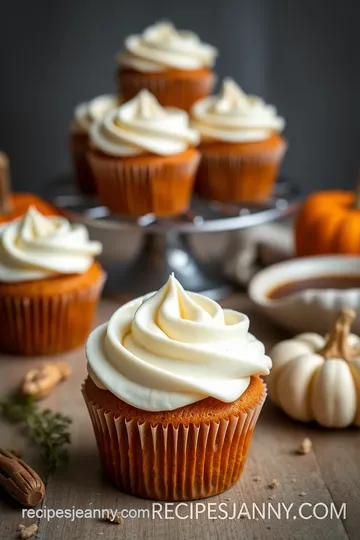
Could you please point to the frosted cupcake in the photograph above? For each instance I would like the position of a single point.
(241, 146)
(49, 284)
(84, 116)
(143, 159)
(174, 394)
(172, 64)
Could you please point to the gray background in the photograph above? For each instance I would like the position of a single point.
(302, 56)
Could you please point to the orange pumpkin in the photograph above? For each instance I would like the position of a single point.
(14, 205)
(329, 223)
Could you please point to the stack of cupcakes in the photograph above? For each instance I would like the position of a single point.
(139, 157)
(173, 387)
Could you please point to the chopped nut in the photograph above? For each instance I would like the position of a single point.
(302, 493)
(305, 446)
(27, 532)
(256, 478)
(38, 383)
(113, 517)
(274, 483)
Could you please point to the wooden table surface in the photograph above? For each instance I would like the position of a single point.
(330, 474)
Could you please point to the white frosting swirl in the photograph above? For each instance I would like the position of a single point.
(173, 348)
(142, 126)
(162, 47)
(232, 116)
(35, 247)
(88, 112)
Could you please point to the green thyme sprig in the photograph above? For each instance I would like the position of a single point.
(46, 429)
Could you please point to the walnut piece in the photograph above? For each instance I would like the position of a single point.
(274, 483)
(27, 532)
(38, 383)
(305, 447)
(113, 517)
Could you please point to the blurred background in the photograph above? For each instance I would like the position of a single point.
(301, 56)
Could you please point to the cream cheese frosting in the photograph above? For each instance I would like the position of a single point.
(162, 47)
(88, 112)
(173, 348)
(35, 247)
(233, 116)
(141, 126)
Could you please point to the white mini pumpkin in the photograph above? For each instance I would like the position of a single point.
(317, 378)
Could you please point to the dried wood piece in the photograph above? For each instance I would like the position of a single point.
(20, 481)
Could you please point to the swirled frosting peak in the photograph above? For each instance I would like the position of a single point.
(141, 126)
(173, 348)
(162, 47)
(35, 247)
(233, 116)
(86, 113)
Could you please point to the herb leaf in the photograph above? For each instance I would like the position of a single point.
(46, 429)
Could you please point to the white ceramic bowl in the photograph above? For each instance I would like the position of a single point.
(312, 310)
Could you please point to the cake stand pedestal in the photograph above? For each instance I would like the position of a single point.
(166, 247)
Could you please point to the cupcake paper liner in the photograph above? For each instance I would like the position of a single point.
(239, 178)
(47, 324)
(84, 178)
(180, 92)
(139, 189)
(173, 462)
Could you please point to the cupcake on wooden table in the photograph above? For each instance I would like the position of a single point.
(49, 284)
(174, 394)
(241, 145)
(172, 64)
(84, 116)
(143, 158)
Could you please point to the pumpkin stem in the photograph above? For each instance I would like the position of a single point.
(356, 204)
(5, 205)
(337, 343)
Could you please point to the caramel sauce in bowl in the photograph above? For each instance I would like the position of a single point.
(305, 294)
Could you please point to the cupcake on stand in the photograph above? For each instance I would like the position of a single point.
(241, 146)
(174, 65)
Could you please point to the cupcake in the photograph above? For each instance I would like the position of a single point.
(174, 394)
(84, 116)
(143, 159)
(49, 284)
(241, 146)
(173, 65)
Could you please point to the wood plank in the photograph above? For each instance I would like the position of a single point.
(328, 474)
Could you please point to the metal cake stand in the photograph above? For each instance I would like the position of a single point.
(166, 247)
